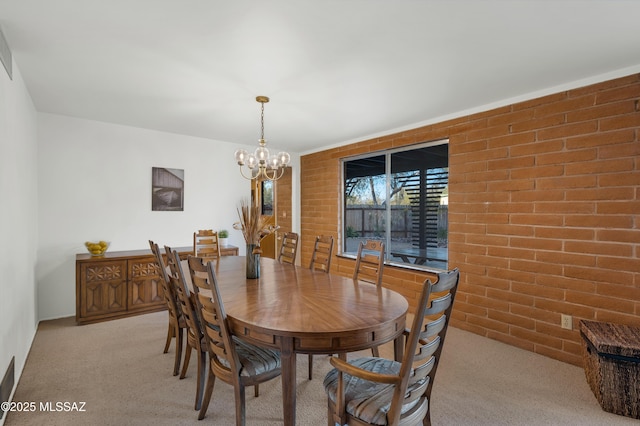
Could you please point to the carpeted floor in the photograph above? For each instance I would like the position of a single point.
(119, 373)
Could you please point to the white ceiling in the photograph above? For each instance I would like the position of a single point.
(336, 71)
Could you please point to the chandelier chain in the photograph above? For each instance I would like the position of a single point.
(262, 121)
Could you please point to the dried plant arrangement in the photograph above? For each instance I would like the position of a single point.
(253, 225)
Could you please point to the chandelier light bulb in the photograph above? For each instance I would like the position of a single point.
(252, 161)
(274, 162)
(262, 154)
(241, 156)
(283, 158)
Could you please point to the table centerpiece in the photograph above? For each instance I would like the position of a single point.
(254, 228)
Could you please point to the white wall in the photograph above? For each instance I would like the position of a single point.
(95, 183)
(18, 220)
(66, 180)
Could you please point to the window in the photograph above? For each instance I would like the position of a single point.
(400, 197)
(266, 198)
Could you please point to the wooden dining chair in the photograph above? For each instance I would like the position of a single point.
(232, 360)
(176, 321)
(195, 336)
(369, 267)
(378, 391)
(322, 251)
(369, 261)
(206, 244)
(320, 261)
(288, 248)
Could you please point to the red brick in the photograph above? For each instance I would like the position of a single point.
(598, 275)
(566, 182)
(537, 338)
(631, 91)
(606, 110)
(598, 248)
(599, 221)
(566, 283)
(536, 243)
(602, 302)
(539, 123)
(566, 157)
(512, 320)
(538, 171)
(616, 235)
(567, 130)
(600, 139)
(620, 122)
(565, 258)
(565, 105)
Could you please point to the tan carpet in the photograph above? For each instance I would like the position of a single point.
(118, 369)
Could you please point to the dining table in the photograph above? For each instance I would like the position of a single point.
(298, 310)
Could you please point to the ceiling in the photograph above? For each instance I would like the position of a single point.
(336, 70)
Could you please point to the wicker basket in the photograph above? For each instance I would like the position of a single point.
(611, 354)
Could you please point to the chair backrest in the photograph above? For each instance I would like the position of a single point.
(369, 261)
(289, 248)
(206, 244)
(424, 344)
(322, 251)
(222, 351)
(170, 296)
(177, 280)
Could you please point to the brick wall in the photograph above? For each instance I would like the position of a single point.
(544, 214)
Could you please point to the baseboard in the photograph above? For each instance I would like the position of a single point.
(6, 386)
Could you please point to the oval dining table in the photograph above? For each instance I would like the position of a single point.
(297, 310)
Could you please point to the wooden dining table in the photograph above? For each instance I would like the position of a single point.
(297, 310)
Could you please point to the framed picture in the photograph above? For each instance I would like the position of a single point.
(167, 189)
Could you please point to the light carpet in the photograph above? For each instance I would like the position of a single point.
(118, 370)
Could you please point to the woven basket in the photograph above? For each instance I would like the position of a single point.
(611, 355)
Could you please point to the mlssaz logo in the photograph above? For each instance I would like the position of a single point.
(62, 406)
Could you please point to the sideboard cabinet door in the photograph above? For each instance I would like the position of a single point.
(145, 289)
(103, 288)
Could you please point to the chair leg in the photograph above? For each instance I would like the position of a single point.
(427, 419)
(256, 391)
(310, 367)
(375, 351)
(211, 380)
(170, 334)
(202, 369)
(240, 414)
(178, 355)
(187, 357)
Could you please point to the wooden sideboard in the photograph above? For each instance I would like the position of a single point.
(228, 250)
(121, 284)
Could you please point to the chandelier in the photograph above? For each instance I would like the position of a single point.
(261, 165)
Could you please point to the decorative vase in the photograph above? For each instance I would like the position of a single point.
(253, 262)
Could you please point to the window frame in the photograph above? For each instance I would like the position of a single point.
(387, 153)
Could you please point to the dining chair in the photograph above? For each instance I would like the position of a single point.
(369, 267)
(369, 261)
(378, 391)
(320, 261)
(206, 244)
(176, 321)
(322, 251)
(288, 248)
(195, 336)
(232, 360)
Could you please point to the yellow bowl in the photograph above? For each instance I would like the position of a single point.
(98, 248)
